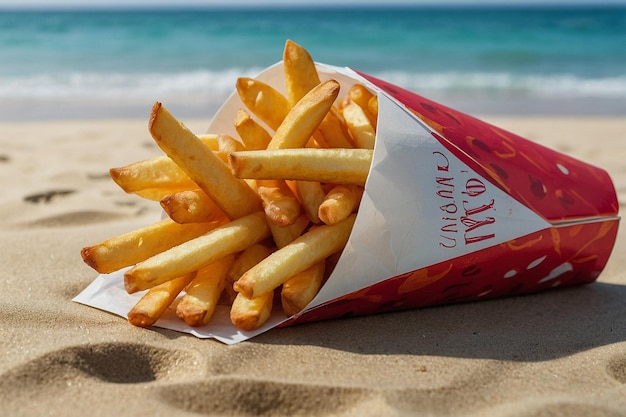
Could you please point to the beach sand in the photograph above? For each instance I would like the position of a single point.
(558, 353)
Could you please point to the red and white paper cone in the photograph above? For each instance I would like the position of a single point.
(454, 210)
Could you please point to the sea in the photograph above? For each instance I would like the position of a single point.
(501, 60)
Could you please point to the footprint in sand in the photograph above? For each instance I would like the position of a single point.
(251, 397)
(117, 363)
(47, 196)
(617, 368)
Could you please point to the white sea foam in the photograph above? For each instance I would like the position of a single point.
(122, 85)
(221, 83)
(557, 85)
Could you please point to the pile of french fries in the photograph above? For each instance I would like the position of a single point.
(254, 221)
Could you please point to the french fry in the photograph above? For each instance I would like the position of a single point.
(332, 132)
(280, 205)
(156, 300)
(284, 235)
(362, 131)
(250, 314)
(263, 101)
(307, 250)
(202, 294)
(299, 290)
(197, 253)
(252, 134)
(156, 173)
(360, 95)
(246, 260)
(227, 144)
(157, 194)
(191, 206)
(305, 116)
(209, 140)
(338, 166)
(372, 106)
(232, 195)
(311, 195)
(300, 72)
(159, 172)
(301, 77)
(339, 203)
(140, 244)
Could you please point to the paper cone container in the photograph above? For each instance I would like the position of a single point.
(454, 210)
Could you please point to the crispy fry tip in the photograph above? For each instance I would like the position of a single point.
(115, 173)
(140, 320)
(193, 319)
(87, 254)
(153, 114)
(165, 202)
(129, 284)
(245, 288)
(247, 324)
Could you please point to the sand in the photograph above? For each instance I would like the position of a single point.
(558, 353)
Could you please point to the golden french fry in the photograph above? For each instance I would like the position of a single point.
(158, 172)
(158, 194)
(332, 132)
(246, 260)
(232, 195)
(280, 205)
(191, 206)
(149, 177)
(156, 300)
(250, 314)
(360, 95)
(140, 244)
(209, 140)
(305, 116)
(311, 195)
(339, 203)
(283, 235)
(299, 290)
(263, 101)
(228, 144)
(300, 72)
(360, 128)
(252, 134)
(301, 77)
(203, 293)
(338, 166)
(372, 106)
(307, 250)
(197, 253)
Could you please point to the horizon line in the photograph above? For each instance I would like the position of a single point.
(320, 5)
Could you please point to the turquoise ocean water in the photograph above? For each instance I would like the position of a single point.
(506, 60)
